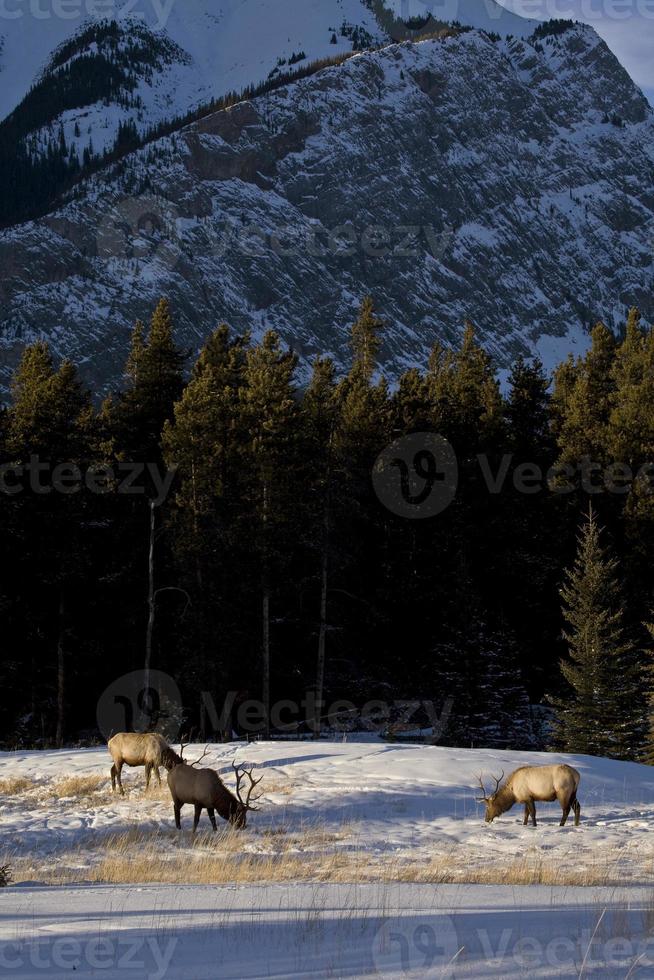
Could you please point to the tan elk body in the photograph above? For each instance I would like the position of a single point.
(531, 784)
(135, 749)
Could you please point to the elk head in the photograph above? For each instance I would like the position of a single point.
(492, 807)
(238, 816)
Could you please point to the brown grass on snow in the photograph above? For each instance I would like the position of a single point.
(15, 785)
(77, 786)
(314, 854)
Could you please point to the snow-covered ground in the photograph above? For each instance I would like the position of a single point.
(207, 932)
(358, 862)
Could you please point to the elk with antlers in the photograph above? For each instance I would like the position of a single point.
(531, 783)
(205, 790)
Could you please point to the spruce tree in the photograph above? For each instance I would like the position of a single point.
(366, 339)
(204, 442)
(154, 376)
(49, 421)
(600, 713)
(271, 418)
(582, 401)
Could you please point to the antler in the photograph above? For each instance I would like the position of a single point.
(497, 783)
(483, 797)
(239, 773)
(182, 746)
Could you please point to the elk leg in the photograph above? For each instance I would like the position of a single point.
(177, 808)
(566, 806)
(158, 775)
(526, 820)
(196, 818)
(119, 769)
(212, 817)
(576, 806)
(113, 778)
(148, 773)
(532, 810)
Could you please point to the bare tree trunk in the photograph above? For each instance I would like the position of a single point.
(61, 673)
(151, 600)
(322, 629)
(265, 667)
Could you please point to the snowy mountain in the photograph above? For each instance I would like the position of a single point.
(199, 49)
(508, 181)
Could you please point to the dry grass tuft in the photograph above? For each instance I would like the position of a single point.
(76, 786)
(5, 876)
(280, 787)
(15, 785)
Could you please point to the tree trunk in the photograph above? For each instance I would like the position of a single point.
(61, 674)
(322, 629)
(151, 601)
(265, 653)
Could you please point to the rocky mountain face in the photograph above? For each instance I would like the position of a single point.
(505, 181)
(76, 91)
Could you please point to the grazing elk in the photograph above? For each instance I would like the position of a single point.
(531, 783)
(134, 749)
(205, 790)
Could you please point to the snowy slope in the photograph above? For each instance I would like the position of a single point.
(230, 43)
(403, 805)
(386, 817)
(327, 931)
(509, 182)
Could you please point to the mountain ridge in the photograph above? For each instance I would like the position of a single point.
(519, 170)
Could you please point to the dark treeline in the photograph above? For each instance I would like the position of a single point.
(271, 566)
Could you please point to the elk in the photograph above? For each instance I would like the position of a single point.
(531, 783)
(134, 749)
(205, 790)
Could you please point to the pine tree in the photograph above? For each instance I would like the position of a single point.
(204, 442)
(600, 714)
(366, 341)
(49, 421)
(527, 411)
(320, 413)
(271, 416)
(582, 401)
(465, 397)
(154, 376)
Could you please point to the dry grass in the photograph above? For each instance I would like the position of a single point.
(15, 785)
(282, 788)
(77, 786)
(282, 856)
